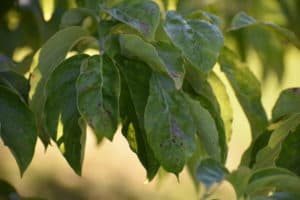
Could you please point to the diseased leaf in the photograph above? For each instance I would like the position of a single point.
(210, 172)
(173, 62)
(161, 57)
(17, 127)
(199, 40)
(242, 20)
(247, 90)
(134, 95)
(98, 92)
(144, 16)
(50, 55)
(62, 118)
(287, 104)
(169, 124)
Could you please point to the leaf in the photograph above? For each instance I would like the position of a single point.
(203, 92)
(277, 179)
(7, 190)
(268, 155)
(173, 62)
(18, 128)
(143, 16)
(199, 41)
(223, 99)
(242, 20)
(169, 125)
(134, 95)
(206, 129)
(161, 57)
(287, 104)
(51, 54)
(289, 153)
(247, 90)
(98, 92)
(15, 82)
(210, 172)
(62, 118)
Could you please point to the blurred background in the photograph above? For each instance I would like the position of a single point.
(111, 171)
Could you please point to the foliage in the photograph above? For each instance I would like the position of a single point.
(153, 74)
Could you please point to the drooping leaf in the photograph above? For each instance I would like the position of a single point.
(210, 172)
(199, 41)
(161, 57)
(98, 91)
(50, 55)
(242, 20)
(169, 125)
(206, 129)
(135, 91)
(17, 127)
(222, 96)
(62, 118)
(204, 93)
(287, 104)
(247, 90)
(143, 16)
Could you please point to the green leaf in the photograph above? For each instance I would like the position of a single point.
(199, 41)
(169, 124)
(7, 191)
(134, 95)
(210, 172)
(17, 127)
(270, 153)
(98, 92)
(161, 57)
(289, 153)
(15, 82)
(223, 99)
(275, 179)
(247, 90)
(143, 16)
(242, 20)
(62, 118)
(173, 62)
(204, 93)
(50, 55)
(287, 104)
(206, 129)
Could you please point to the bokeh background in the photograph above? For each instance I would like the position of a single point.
(111, 171)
